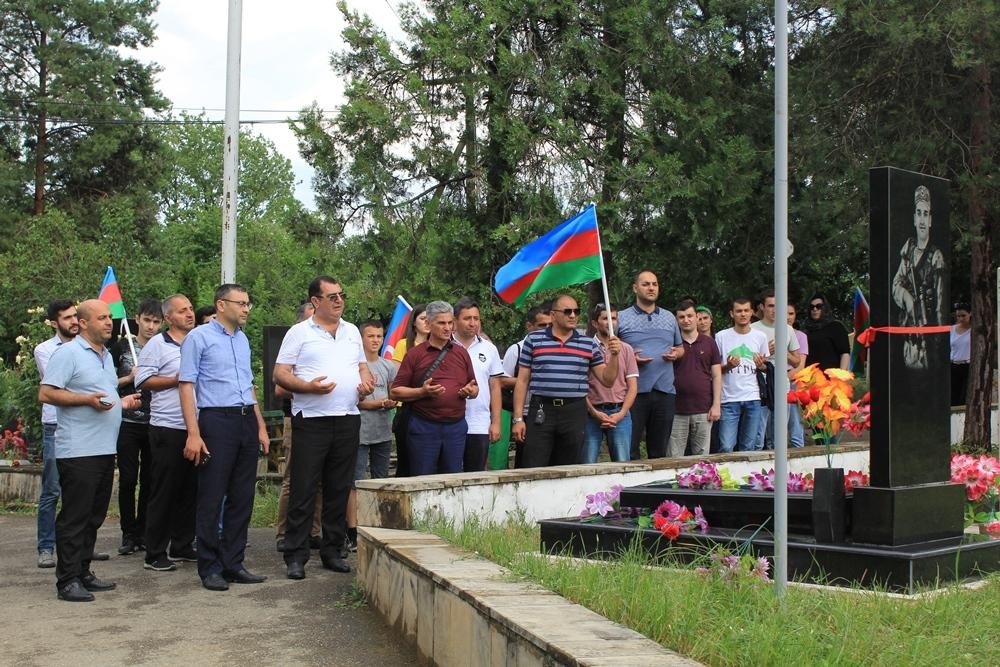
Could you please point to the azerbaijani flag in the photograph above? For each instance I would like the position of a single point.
(396, 331)
(569, 254)
(861, 321)
(111, 295)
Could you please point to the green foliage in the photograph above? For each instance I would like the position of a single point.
(742, 623)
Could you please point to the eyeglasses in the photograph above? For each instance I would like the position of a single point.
(241, 304)
(569, 312)
(335, 296)
(815, 306)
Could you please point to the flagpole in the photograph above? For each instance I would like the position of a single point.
(604, 275)
(405, 302)
(128, 337)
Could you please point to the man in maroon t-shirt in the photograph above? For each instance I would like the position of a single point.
(435, 436)
(698, 379)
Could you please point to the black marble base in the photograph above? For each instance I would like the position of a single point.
(905, 569)
(908, 514)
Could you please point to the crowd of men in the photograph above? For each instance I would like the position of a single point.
(178, 410)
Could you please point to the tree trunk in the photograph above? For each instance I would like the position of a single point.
(41, 138)
(984, 325)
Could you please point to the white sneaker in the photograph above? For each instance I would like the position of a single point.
(46, 558)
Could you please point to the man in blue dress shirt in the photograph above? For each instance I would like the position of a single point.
(225, 432)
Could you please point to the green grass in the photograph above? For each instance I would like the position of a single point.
(721, 623)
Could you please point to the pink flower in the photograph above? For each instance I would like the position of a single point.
(993, 528)
(699, 518)
(670, 510)
(854, 479)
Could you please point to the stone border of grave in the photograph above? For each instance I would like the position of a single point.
(459, 609)
(555, 492)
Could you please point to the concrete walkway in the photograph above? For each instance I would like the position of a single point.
(167, 618)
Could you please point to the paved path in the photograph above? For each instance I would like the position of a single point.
(167, 618)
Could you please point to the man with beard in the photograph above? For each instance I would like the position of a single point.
(62, 318)
(225, 432)
(173, 480)
(80, 380)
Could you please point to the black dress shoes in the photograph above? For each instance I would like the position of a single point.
(75, 592)
(337, 565)
(296, 571)
(215, 582)
(95, 585)
(243, 577)
(99, 555)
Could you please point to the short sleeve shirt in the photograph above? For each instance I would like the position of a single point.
(559, 369)
(43, 352)
(82, 430)
(693, 375)
(740, 383)
(314, 352)
(161, 357)
(376, 425)
(218, 364)
(652, 334)
(793, 340)
(486, 364)
(454, 373)
(627, 368)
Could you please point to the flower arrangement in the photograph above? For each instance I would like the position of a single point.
(981, 477)
(730, 567)
(827, 406)
(12, 445)
(705, 475)
(764, 481)
(672, 519)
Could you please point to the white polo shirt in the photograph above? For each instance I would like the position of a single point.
(161, 357)
(486, 364)
(313, 352)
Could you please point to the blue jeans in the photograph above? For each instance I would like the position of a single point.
(765, 433)
(51, 490)
(739, 426)
(375, 454)
(619, 437)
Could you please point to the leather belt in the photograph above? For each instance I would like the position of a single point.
(242, 410)
(557, 402)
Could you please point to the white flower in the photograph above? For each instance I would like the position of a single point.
(17, 359)
(21, 339)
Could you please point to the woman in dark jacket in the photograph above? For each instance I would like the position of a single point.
(828, 344)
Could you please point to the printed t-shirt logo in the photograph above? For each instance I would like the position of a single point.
(743, 352)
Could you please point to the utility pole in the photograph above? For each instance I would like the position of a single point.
(231, 143)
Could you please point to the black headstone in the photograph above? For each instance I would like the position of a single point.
(910, 252)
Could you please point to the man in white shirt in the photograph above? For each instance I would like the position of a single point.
(482, 413)
(744, 351)
(322, 362)
(765, 325)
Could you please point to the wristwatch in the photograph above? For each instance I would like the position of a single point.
(517, 420)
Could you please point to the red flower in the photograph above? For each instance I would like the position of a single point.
(814, 393)
(805, 398)
(867, 398)
(659, 521)
(793, 396)
(671, 530)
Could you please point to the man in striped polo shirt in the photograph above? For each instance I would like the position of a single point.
(555, 364)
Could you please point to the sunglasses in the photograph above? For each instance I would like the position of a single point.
(335, 296)
(815, 306)
(569, 312)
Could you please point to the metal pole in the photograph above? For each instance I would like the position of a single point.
(781, 251)
(231, 143)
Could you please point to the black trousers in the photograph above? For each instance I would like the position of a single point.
(959, 383)
(231, 473)
(173, 492)
(133, 471)
(477, 448)
(652, 416)
(86, 491)
(326, 449)
(559, 439)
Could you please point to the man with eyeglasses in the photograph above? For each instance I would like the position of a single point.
(654, 335)
(225, 433)
(556, 364)
(322, 362)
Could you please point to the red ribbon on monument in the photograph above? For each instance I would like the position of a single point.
(868, 335)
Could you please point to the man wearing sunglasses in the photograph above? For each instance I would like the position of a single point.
(555, 364)
(322, 362)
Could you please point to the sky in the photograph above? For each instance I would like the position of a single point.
(285, 62)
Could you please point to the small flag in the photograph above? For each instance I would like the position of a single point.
(111, 295)
(861, 321)
(396, 331)
(568, 255)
